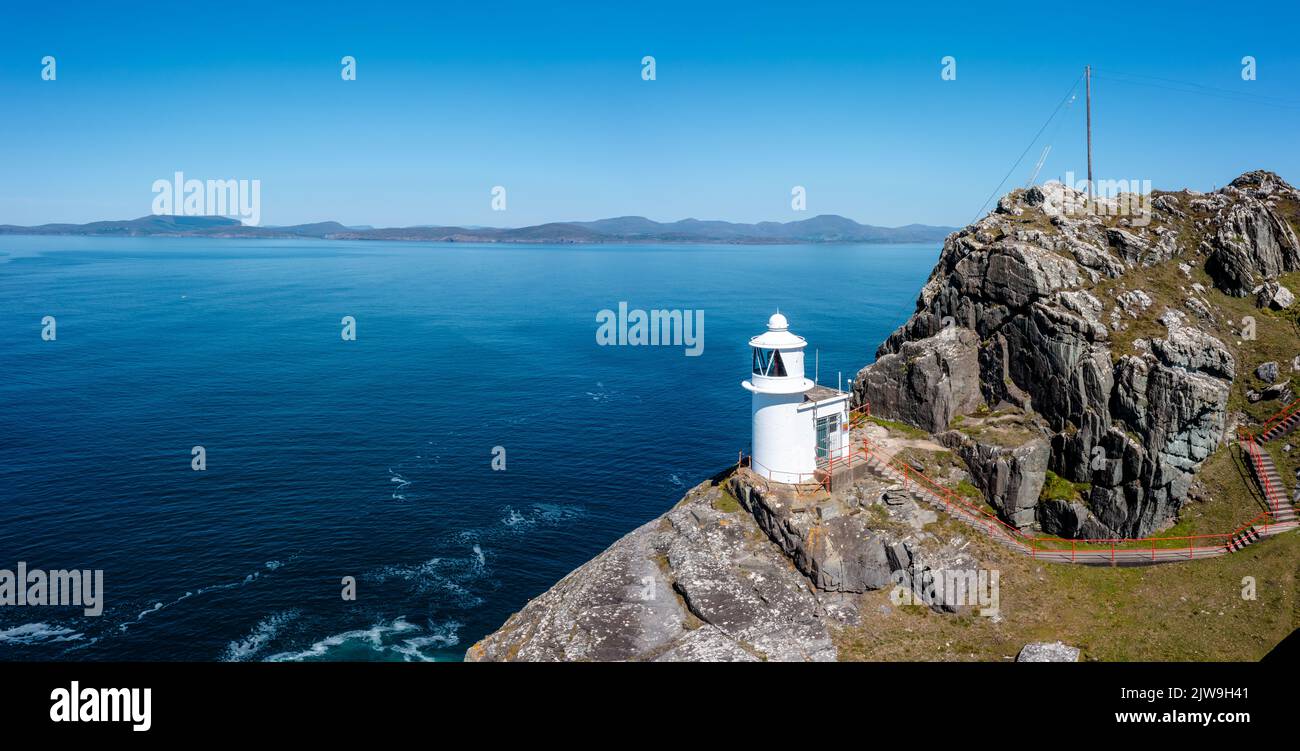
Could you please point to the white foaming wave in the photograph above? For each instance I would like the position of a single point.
(261, 635)
(249, 579)
(440, 575)
(38, 633)
(401, 482)
(380, 638)
(598, 396)
(538, 513)
(82, 645)
(444, 636)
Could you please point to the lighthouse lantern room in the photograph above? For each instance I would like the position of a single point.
(798, 425)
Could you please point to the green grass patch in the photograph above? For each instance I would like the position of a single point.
(968, 489)
(1057, 488)
(1187, 611)
(726, 503)
(901, 428)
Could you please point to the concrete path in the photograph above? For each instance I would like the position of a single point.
(1091, 555)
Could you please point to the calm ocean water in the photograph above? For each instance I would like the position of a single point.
(370, 458)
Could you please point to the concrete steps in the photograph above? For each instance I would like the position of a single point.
(1270, 481)
(1283, 520)
(1248, 537)
(1281, 428)
(970, 518)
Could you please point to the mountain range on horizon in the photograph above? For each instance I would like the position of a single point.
(824, 228)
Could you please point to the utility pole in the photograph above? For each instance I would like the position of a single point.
(1087, 84)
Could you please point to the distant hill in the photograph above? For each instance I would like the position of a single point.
(164, 224)
(826, 228)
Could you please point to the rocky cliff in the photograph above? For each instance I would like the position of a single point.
(1119, 326)
(739, 570)
(700, 583)
(1071, 368)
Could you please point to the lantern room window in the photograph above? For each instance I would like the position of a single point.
(767, 362)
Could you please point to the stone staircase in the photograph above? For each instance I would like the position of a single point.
(1270, 482)
(1284, 426)
(1282, 518)
(1281, 423)
(1242, 539)
(997, 532)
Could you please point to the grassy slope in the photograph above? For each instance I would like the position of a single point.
(1183, 611)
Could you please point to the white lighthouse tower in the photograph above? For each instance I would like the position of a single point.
(798, 425)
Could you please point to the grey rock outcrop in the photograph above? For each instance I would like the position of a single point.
(1251, 242)
(1070, 519)
(837, 550)
(1011, 477)
(843, 547)
(1134, 421)
(927, 382)
(695, 584)
(1048, 652)
(1273, 295)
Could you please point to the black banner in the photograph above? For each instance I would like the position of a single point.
(1049, 702)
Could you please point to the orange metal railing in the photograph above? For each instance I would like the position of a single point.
(1032, 543)
(1282, 414)
(1271, 495)
(1035, 545)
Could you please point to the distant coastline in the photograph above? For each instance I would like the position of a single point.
(826, 228)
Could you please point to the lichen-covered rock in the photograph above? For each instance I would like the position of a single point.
(838, 549)
(1048, 652)
(698, 583)
(1251, 241)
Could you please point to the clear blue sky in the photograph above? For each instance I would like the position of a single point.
(547, 100)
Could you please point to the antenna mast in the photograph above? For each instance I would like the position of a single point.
(1087, 77)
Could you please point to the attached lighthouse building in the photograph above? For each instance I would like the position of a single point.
(799, 427)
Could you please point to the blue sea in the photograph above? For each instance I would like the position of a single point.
(371, 458)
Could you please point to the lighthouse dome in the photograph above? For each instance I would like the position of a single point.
(778, 335)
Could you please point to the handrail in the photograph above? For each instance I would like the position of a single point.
(1032, 543)
(823, 475)
(1282, 414)
(812, 476)
(1270, 494)
(949, 498)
